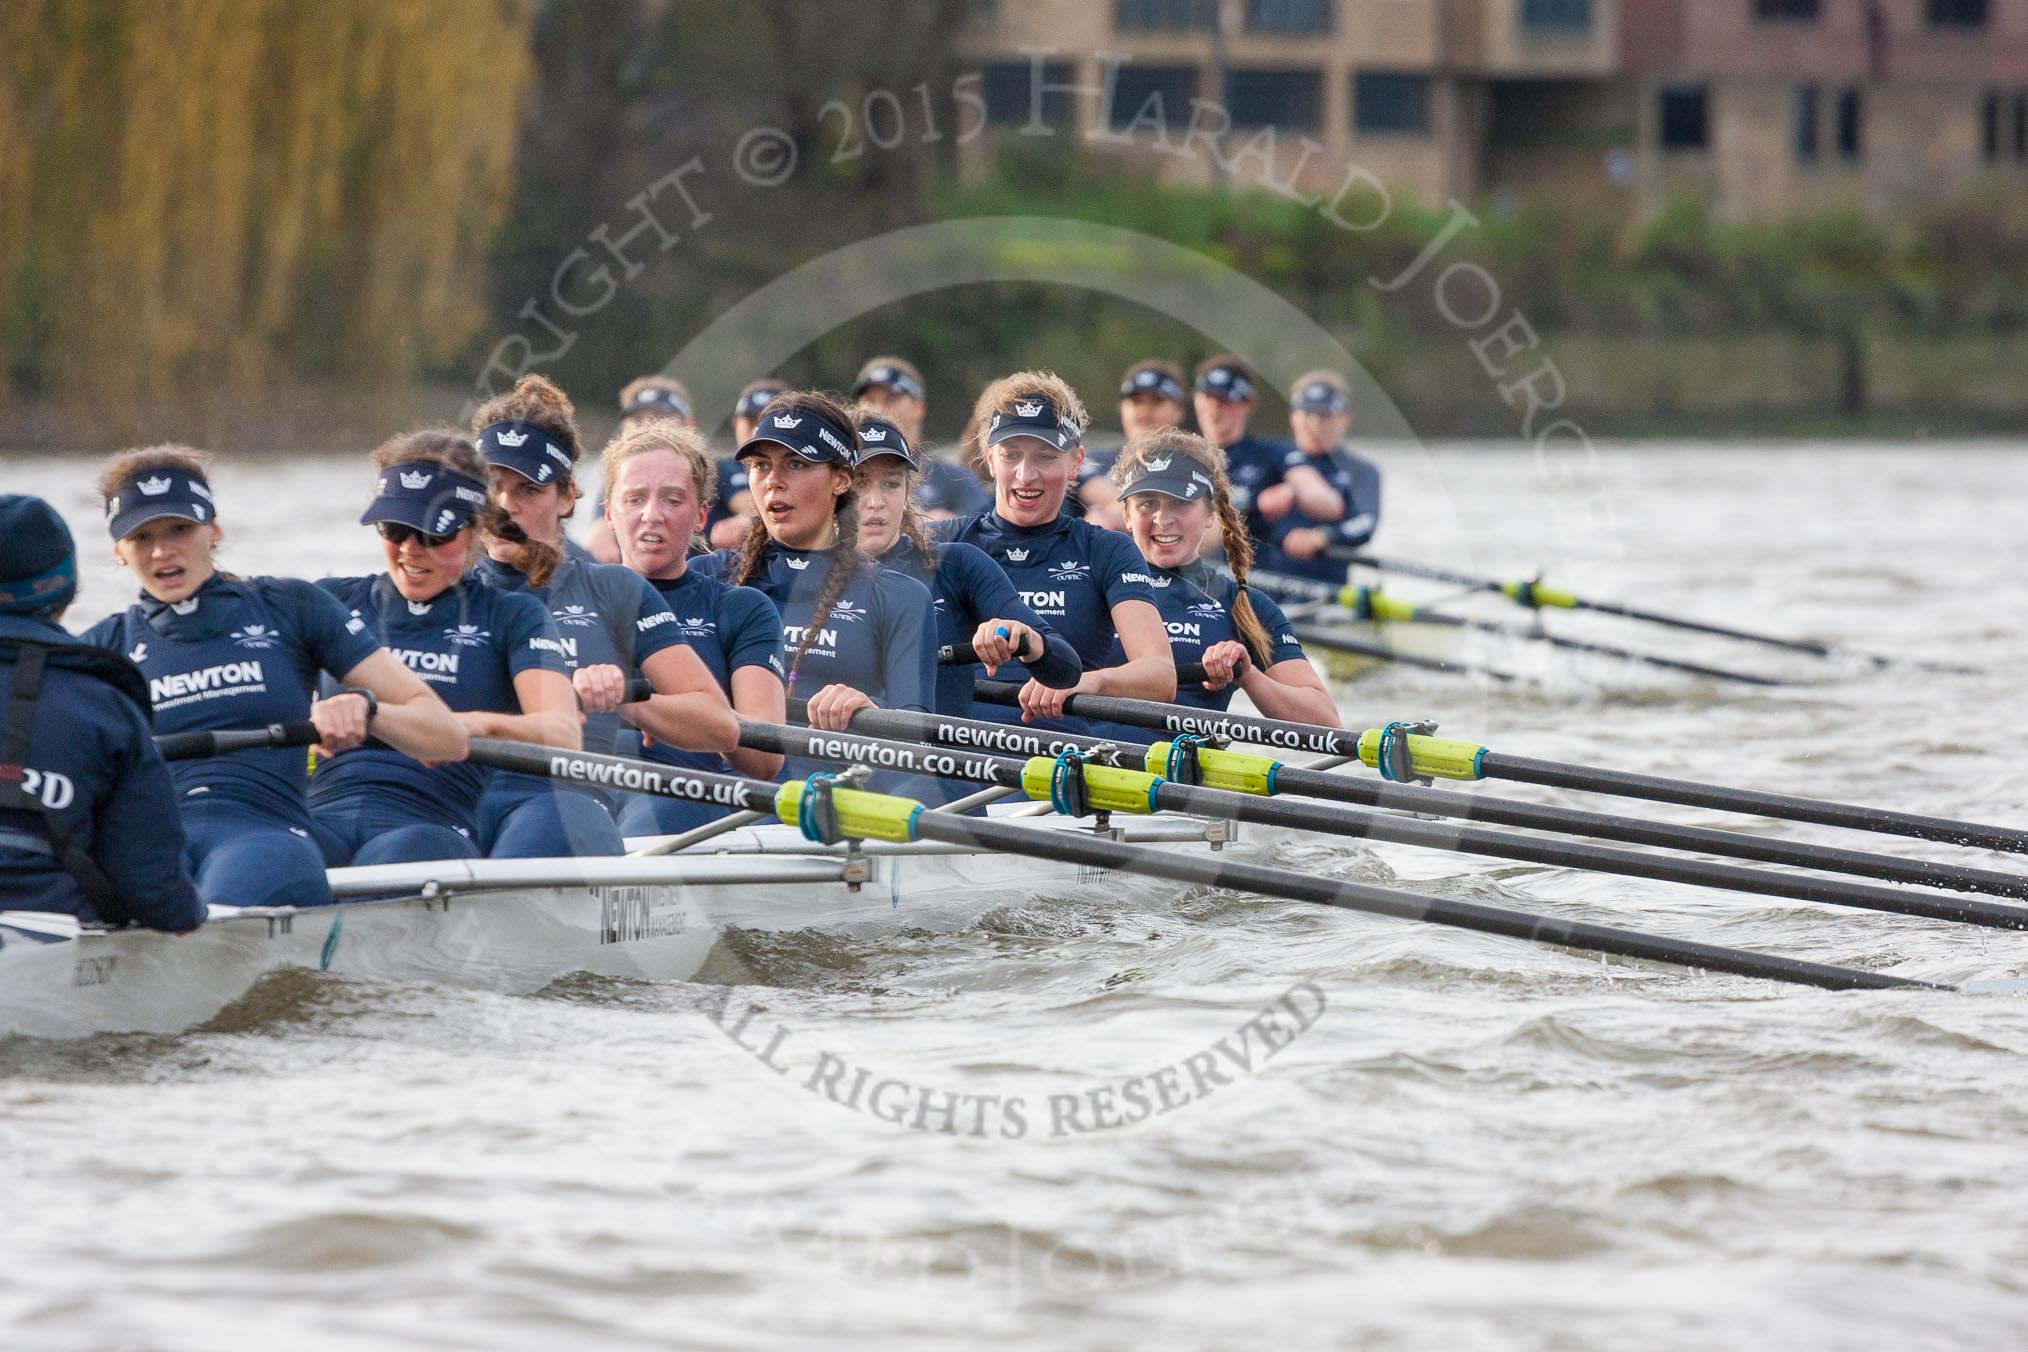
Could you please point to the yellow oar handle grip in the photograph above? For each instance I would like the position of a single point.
(1077, 788)
(1535, 594)
(1428, 757)
(860, 815)
(1218, 768)
(1369, 603)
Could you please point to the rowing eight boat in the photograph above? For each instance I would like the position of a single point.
(515, 925)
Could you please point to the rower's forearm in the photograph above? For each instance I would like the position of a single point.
(1059, 667)
(559, 730)
(1144, 678)
(1290, 703)
(760, 764)
(697, 721)
(422, 727)
(1319, 500)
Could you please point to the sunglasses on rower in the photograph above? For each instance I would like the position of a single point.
(397, 534)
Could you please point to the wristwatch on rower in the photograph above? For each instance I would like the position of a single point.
(372, 704)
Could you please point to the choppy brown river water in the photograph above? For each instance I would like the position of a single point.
(1471, 1142)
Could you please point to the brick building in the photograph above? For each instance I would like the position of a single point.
(1757, 107)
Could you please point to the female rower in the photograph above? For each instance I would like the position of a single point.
(643, 400)
(227, 652)
(1173, 487)
(895, 391)
(1091, 584)
(611, 624)
(658, 479)
(493, 656)
(857, 636)
(975, 603)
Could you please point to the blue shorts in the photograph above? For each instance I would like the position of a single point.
(241, 856)
(360, 831)
(522, 817)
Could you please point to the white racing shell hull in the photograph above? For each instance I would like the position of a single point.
(516, 925)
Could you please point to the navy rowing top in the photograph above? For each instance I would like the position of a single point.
(878, 638)
(728, 628)
(239, 653)
(605, 615)
(968, 589)
(467, 643)
(1357, 480)
(1196, 605)
(1069, 572)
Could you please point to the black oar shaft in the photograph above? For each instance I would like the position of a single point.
(1637, 831)
(1364, 823)
(1612, 650)
(195, 745)
(1660, 789)
(1097, 852)
(1172, 718)
(1555, 774)
(1014, 740)
(1208, 871)
(1315, 637)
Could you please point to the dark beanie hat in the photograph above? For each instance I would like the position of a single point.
(38, 563)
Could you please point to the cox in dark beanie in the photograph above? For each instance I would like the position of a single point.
(38, 562)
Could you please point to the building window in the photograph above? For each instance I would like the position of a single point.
(1009, 90)
(1851, 124)
(1806, 122)
(1164, 15)
(1957, 13)
(1161, 94)
(1390, 104)
(1274, 98)
(1289, 16)
(1785, 11)
(1686, 120)
(1556, 16)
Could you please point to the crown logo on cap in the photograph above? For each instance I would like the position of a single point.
(873, 434)
(785, 422)
(1219, 376)
(1156, 466)
(416, 479)
(154, 487)
(510, 438)
(1028, 410)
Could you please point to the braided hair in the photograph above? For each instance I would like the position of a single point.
(1231, 525)
(845, 556)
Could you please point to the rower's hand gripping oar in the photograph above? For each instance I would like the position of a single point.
(962, 655)
(1399, 752)
(825, 812)
(1534, 595)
